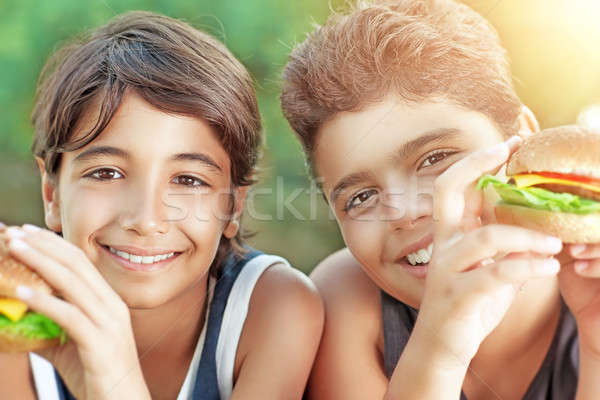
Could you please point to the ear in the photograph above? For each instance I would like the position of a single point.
(528, 123)
(50, 198)
(233, 226)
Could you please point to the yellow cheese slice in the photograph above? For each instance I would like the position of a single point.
(526, 180)
(12, 308)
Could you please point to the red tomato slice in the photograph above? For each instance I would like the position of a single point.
(570, 177)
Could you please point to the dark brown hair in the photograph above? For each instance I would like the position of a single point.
(171, 65)
(415, 49)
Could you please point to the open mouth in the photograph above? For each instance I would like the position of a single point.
(420, 257)
(138, 262)
(417, 261)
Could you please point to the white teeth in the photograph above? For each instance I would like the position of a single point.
(141, 259)
(421, 256)
(122, 254)
(148, 260)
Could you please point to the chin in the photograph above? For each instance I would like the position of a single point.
(403, 286)
(139, 300)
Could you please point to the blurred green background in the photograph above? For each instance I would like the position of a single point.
(553, 46)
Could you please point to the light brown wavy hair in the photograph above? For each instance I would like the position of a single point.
(414, 49)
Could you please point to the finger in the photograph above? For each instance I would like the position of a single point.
(514, 271)
(588, 269)
(584, 251)
(2, 227)
(490, 199)
(71, 257)
(493, 240)
(69, 317)
(450, 187)
(60, 278)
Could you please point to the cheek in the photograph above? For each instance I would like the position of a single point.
(365, 239)
(204, 210)
(203, 206)
(206, 216)
(84, 211)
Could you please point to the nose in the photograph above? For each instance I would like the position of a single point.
(406, 204)
(144, 211)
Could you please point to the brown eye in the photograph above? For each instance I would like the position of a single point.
(187, 180)
(105, 174)
(359, 199)
(435, 158)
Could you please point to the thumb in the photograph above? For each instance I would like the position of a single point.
(472, 218)
(574, 288)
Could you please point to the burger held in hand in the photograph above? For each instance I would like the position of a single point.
(554, 185)
(23, 330)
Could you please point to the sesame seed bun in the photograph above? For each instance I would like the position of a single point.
(12, 274)
(568, 150)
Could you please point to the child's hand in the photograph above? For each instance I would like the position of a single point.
(579, 281)
(475, 271)
(100, 360)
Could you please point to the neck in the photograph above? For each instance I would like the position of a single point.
(172, 328)
(530, 322)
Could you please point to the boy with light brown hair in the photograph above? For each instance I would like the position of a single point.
(401, 106)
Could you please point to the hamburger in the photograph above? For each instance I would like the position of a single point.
(554, 185)
(22, 330)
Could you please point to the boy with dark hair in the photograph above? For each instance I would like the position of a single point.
(401, 106)
(146, 135)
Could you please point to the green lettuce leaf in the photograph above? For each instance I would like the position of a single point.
(540, 199)
(33, 325)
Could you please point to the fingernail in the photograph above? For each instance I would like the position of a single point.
(23, 292)
(31, 228)
(15, 232)
(17, 244)
(581, 266)
(553, 244)
(2, 226)
(513, 140)
(577, 249)
(497, 149)
(551, 265)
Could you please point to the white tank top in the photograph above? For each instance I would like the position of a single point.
(234, 317)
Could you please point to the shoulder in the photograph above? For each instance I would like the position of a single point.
(349, 362)
(281, 295)
(284, 303)
(281, 333)
(348, 293)
(282, 289)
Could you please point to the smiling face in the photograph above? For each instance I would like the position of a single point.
(378, 166)
(147, 201)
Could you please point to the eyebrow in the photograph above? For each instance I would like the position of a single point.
(101, 151)
(348, 181)
(406, 150)
(199, 157)
(109, 151)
